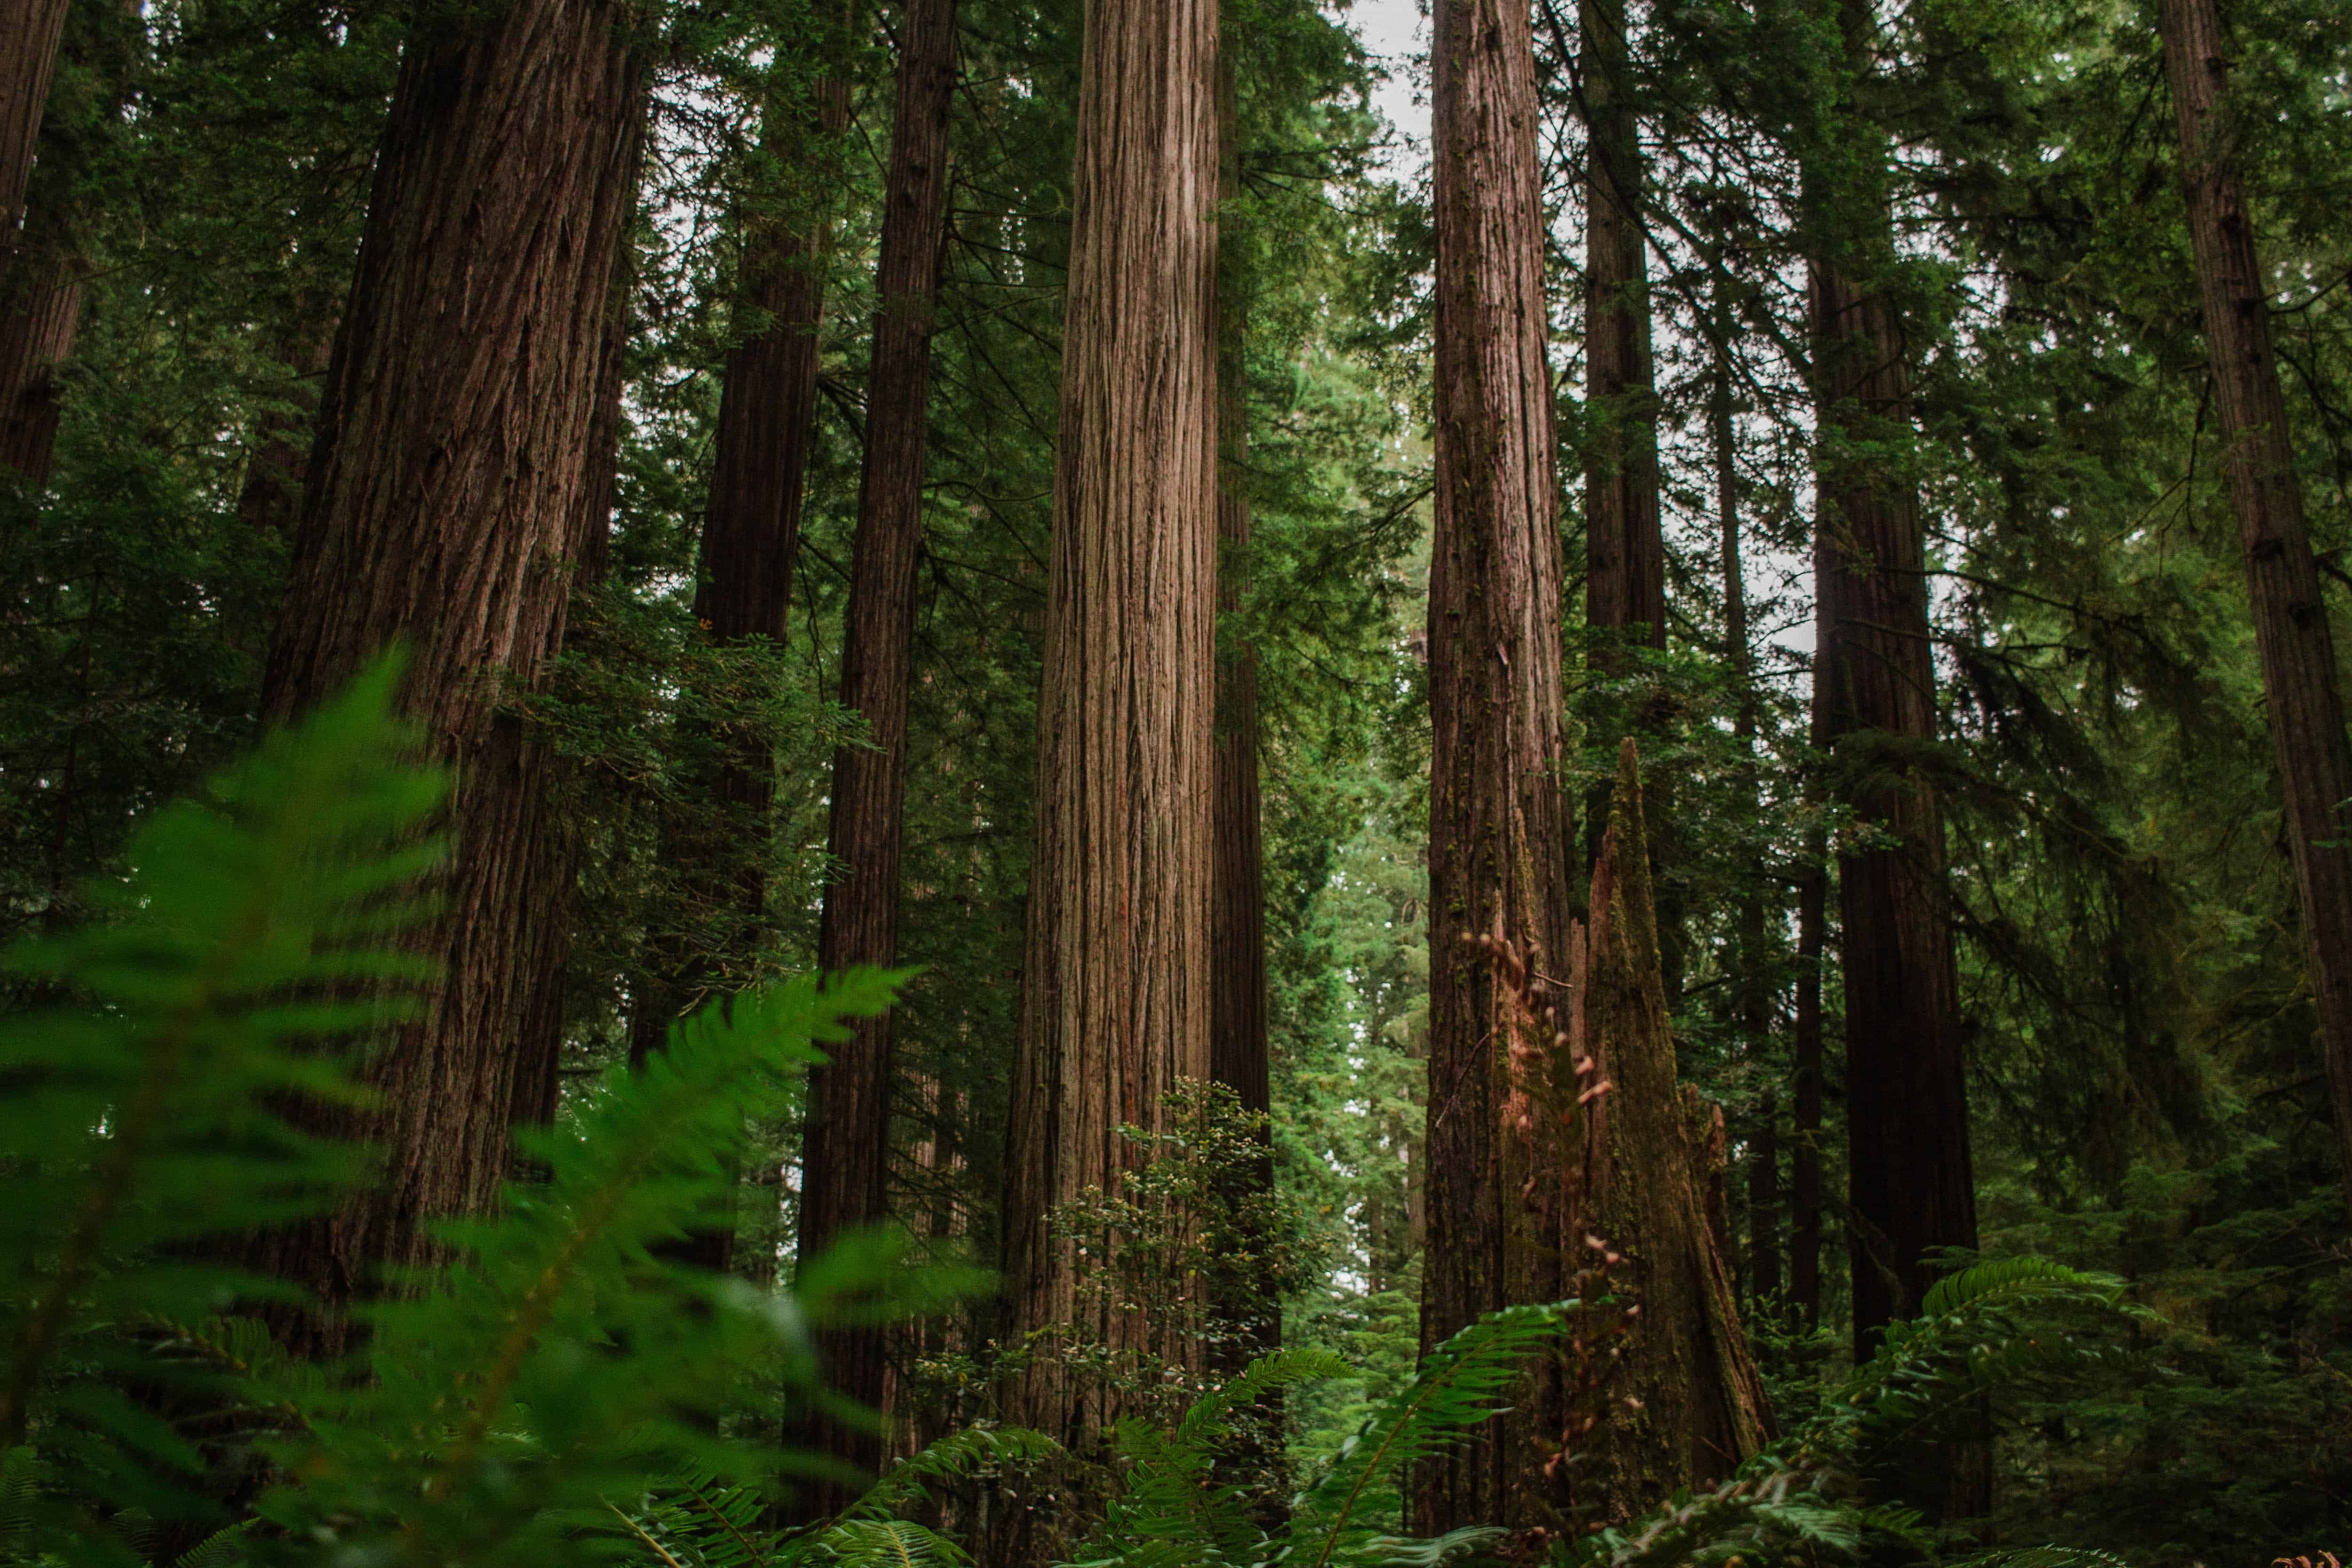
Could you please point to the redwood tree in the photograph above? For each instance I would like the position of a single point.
(1499, 822)
(750, 542)
(1115, 978)
(2291, 630)
(1908, 1174)
(1237, 1033)
(443, 512)
(1625, 581)
(30, 32)
(846, 1151)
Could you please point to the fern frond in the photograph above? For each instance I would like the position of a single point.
(960, 1455)
(886, 1543)
(2043, 1557)
(565, 1357)
(1464, 1382)
(141, 1117)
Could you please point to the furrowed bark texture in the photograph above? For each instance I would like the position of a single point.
(1237, 1036)
(2291, 630)
(1625, 582)
(443, 511)
(1909, 1172)
(30, 32)
(846, 1157)
(1645, 1179)
(40, 314)
(1115, 1001)
(1499, 844)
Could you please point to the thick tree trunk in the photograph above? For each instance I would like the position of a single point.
(1499, 825)
(1237, 1032)
(2290, 623)
(1751, 983)
(443, 512)
(846, 1151)
(1909, 1178)
(30, 32)
(1687, 1405)
(1115, 1001)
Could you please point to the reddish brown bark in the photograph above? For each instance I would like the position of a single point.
(443, 512)
(1625, 581)
(1908, 1174)
(30, 32)
(2291, 630)
(40, 313)
(1115, 1000)
(1237, 1027)
(1499, 844)
(847, 1153)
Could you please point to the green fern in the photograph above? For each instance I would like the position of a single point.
(137, 1117)
(565, 1358)
(1172, 1512)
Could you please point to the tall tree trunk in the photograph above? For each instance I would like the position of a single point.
(1752, 986)
(1625, 580)
(1642, 1178)
(442, 512)
(2291, 623)
(1499, 825)
(751, 543)
(1907, 1132)
(1237, 1033)
(1115, 1002)
(1625, 550)
(1910, 1187)
(847, 1153)
(30, 33)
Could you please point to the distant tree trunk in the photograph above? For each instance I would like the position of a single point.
(750, 542)
(1752, 986)
(2291, 621)
(1625, 550)
(30, 33)
(443, 512)
(1115, 1001)
(1500, 842)
(846, 1154)
(1625, 580)
(1237, 1035)
(1909, 1178)
(277, 451)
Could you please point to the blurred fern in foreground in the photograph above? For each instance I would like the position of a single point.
(532, 1386)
